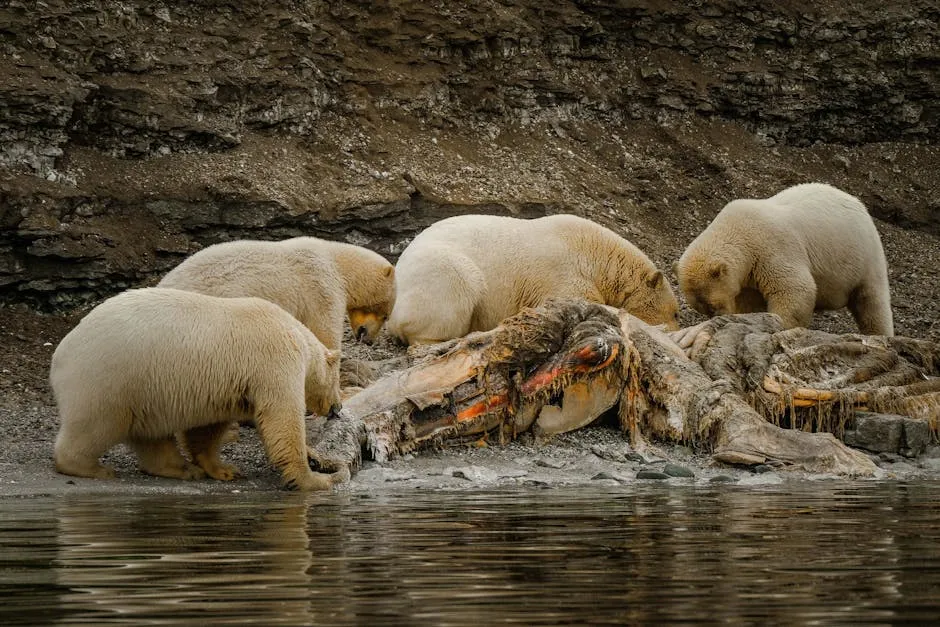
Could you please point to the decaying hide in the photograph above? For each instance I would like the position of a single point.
(558, 367)
(686, 404)
(816, 381)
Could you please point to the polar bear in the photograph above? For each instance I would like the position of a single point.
(316, 281)
(810, 247)
(150, 362)
(469, 272)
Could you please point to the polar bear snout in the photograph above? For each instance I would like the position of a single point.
(703, 302)
(366, 324)
(704, 307)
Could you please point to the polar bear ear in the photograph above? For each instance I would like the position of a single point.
(654, 279)
(389, 271)
(719, 270)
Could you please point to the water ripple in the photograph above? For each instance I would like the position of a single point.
(834, 554)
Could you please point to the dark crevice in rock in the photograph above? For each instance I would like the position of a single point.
(70, 262)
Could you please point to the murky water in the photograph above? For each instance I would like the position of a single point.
(835, 553)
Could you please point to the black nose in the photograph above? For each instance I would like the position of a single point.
(335, 411)
(361, 333)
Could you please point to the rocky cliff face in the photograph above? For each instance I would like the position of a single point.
(132, 133)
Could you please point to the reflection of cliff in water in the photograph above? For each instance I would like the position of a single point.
(843, 552)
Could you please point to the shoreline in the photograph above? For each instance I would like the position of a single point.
(595, 456)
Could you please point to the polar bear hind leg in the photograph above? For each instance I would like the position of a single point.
(162, 458)
(81, 442)
(203, 444)
(81, 464)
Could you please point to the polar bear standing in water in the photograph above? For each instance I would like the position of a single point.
(809, 247)
(469, 273)
(148, 363)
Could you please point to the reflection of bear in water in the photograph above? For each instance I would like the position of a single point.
(160, 559)
(150, 362)
(809, 247)
(316, 281)
(468, 273)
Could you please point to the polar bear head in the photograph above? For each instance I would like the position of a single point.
(653, 301)
(710, 287)
(321, 384)
(371, 303)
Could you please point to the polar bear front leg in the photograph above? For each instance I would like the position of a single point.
(162, 458)
(284, 437)
(870, 304)
(792, 296)
(749, 300)
(203, 444)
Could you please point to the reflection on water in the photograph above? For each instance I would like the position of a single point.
(827, 553)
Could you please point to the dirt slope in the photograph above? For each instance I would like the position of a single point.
(133, 133)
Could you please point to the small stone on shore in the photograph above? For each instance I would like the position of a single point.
(675, 470)
(722, 479)
(606, 475)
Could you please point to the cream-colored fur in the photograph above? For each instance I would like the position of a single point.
(468, 273)
(316, 281)
(151, 362)
(809, 247)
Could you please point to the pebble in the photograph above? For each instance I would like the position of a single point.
(606, 475)
(722, 479)
(675, 470)
(512, 473)
(932, 463)
(550, 463)
(762, 468)
(392, 476)
(652, 474)
(474, 473)
(891, 458)
(608, 454)
(536, 483)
